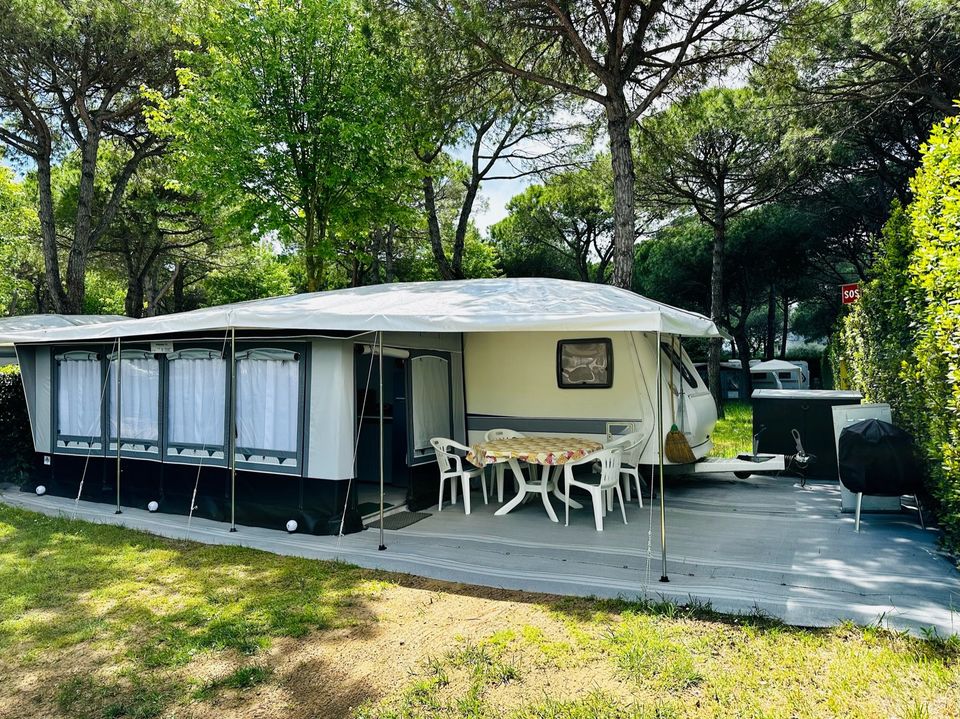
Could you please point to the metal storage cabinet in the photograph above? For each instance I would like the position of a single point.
(778, 411)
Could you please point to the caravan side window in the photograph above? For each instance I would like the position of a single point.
(80, 395)
(196, 404)
(268, 407)
(583, 364)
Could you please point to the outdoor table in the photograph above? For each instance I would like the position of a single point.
(545, 451)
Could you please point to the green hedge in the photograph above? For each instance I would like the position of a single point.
(901, 342)
(16, 443)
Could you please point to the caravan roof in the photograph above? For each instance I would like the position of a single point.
(488, 305)
(775, 366)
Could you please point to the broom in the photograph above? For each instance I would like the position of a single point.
(675, 446)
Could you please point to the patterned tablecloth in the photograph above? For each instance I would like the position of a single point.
(534, 450)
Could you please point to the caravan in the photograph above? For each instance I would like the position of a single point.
(276, 409)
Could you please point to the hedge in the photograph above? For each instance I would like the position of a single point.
(16, 442)
(901, 341)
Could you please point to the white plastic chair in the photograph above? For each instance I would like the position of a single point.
(630, 446)
(499, 466)
(451, 467)
(609, 460)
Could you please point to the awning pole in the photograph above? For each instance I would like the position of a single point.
(233, 429)
(119, 419)
(663, 526)
(380, 359)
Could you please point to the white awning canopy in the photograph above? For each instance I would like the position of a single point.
(490, 305)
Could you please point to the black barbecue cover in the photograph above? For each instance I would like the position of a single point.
(877, 458)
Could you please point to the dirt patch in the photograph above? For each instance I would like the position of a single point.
(329, 673)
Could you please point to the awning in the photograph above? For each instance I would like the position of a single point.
(488, 305)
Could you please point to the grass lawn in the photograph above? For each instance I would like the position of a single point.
(100, 621)
(733, 434)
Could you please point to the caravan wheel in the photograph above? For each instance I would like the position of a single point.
(742, 475)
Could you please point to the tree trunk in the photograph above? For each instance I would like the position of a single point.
(388, 271)
(786, 327)
(133, 302)
(433, 229)
(310, 248)
(771, 339)
(716, 307)
(743, 349)
(463, 224)
(179, 286)
(82, 229)
(48, 231)
(624, 181)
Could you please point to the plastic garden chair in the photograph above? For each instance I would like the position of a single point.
(451, 467)
(630, 446)
(609, 460)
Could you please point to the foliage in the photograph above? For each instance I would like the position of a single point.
(869, 78)
(900, 343)
(16, 454)
(71, 77)
(934, 372)
(248, 274)
(105, 293)
(291, 114)
(560, 228)
(619, 58)
(764, 246)
(19, 254)
(877, 334)
(719, 153)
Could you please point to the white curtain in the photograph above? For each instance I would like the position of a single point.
(197, 401)
(78, 397)
(139, 398)
(268, 396)
(431, 399)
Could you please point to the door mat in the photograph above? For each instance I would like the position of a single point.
(400, 520)
(366, 508)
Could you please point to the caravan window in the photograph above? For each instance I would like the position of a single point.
(268, 406)
(196, 403)
(585, 364)
(430, 401)
(677, 361)
(139, 398)
(79, 400)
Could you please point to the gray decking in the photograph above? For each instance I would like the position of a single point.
(756, 545)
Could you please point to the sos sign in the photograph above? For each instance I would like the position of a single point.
(850, 293)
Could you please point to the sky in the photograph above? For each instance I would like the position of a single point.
(496, 195)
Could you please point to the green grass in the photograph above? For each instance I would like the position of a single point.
(152, 606)
(733, 434)
(113, 623)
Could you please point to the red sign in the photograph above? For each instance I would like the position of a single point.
(850, 293)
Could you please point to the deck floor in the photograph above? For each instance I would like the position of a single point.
(761, 544)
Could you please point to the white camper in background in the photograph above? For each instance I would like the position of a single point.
(779, 374)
